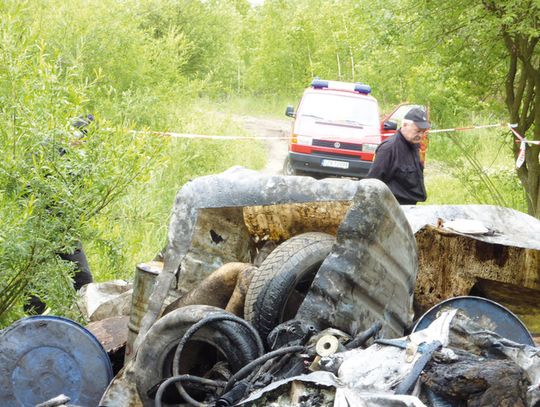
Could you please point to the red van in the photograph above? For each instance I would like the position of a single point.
(336, 130)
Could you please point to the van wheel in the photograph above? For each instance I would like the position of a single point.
(284, 278)
(288, 168)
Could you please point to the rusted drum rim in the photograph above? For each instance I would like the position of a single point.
(506, 323)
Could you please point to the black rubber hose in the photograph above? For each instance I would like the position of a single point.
(247, 368)
(245, 345)
(233, 395)
(195, 327)
(363, 336)
(187, 397)
(212, 318)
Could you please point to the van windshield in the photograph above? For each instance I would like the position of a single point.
(340, 109)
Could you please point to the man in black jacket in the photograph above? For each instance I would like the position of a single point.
(397, 160)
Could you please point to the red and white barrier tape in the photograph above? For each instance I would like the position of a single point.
(519, 162)
(523, 145)
(216, 137)
(486, 126)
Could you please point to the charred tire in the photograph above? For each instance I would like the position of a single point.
(218, 341)
(289, 270)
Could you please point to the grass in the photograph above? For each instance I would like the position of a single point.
(473, 167)
(135, 229)
(442, 187)
(268, 106)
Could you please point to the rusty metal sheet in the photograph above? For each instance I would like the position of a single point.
(235, 188)
(111, 332)
(122, 391)
(219, 237)
(507, 226)
(281, 222)
(453, 263)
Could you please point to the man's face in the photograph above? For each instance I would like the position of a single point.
(412, 133)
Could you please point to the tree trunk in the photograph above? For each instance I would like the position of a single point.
(523, 104)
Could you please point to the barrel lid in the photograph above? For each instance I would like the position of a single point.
(42, 357)
(487, 313)
(152, 267)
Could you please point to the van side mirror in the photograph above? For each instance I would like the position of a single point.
(289, 111)
(390, 125)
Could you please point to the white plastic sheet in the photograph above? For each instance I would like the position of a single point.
(98, 301)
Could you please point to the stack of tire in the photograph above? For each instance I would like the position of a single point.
(274, 295)
(283, 279)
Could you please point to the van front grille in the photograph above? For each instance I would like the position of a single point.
(337, 145)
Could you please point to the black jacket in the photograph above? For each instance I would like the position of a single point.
(397, 164)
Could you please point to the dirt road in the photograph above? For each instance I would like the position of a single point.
(276, 148)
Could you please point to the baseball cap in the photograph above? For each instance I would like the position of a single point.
(419, 117)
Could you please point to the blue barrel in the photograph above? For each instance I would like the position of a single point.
(42, 357)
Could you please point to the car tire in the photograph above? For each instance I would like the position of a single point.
(215, 341)
(285, 276)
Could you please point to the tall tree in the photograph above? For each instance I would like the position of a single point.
(519, 25)
(496, 41)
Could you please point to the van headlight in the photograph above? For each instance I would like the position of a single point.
(369, 148)
(306, 141)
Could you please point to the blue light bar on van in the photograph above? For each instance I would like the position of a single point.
(319, 84)
(351, 87)
(362, 88)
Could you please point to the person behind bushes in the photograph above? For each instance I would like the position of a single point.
(82, 275)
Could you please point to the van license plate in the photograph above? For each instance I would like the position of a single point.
(335, 164)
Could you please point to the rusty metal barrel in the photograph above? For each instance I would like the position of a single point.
(145, 279)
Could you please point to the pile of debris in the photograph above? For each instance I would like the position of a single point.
(290, 291)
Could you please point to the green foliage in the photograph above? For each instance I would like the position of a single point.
(294, 42)
(54, 187)
(491, 48)
(450, 184)
(26, 257)
(134, 230)
(210, 31)
(183, 66)
(135, 66)
(260, 105)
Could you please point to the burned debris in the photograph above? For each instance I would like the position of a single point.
(287, 291)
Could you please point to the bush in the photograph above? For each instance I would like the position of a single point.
(53, 184)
